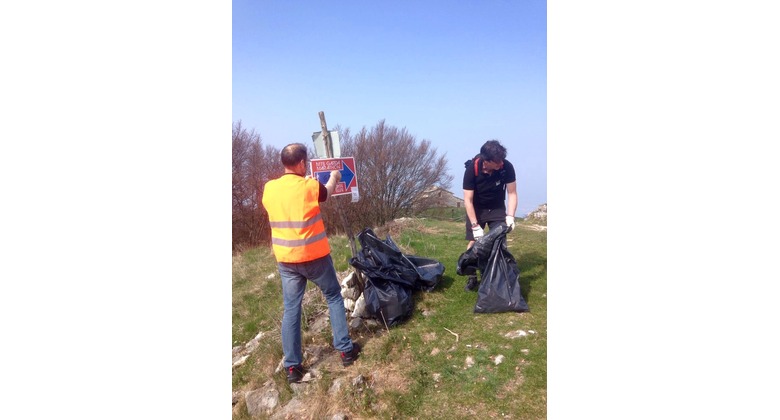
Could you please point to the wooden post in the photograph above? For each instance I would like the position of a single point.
(347, 227)
(326, 136)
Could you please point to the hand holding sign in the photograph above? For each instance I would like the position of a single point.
(323, 169)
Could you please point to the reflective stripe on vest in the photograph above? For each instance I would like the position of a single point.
(297, 224)
(297, 242)
(297, 230)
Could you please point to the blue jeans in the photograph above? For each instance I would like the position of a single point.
(322, 273)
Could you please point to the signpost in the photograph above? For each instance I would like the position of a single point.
(348, 182)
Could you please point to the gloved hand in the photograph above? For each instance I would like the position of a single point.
(510, 221)
(478, 232)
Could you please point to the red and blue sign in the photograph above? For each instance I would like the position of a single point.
(321, 168)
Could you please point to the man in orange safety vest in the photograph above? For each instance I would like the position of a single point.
(302, 253)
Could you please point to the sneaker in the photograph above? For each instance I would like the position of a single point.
(349, 357)
(472, 283)
(294, 374)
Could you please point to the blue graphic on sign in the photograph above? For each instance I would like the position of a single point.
(322, 177)
(346, 176)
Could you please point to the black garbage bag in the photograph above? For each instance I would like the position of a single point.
(477, 257)
(391, 276)
(429, 272)
(388, 301)
(499, 290)
(380, 259)
(384, 260)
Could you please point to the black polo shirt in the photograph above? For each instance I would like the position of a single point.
(489, 190)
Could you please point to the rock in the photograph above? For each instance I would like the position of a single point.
(360, 308)
(320, 323)
(262, 401)
(241, 353)
(348, 281)
(238, 361)
(349, 304)
(294, 409)
(253, 343)
(499, 359)
(540, 213)
(469, 362)
(336, 387)
(358, 380)
(349, 289)
(515, 334)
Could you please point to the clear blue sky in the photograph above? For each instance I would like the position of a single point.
(454, 73)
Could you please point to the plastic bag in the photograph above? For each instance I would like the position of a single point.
(477, 257)
(429, 272)
(499, 290)
(384, 260)
(391, 276)
(388, 301)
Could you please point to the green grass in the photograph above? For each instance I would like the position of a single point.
(418, 368)
(455, 214)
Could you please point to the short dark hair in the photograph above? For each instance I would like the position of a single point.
(493, 151)
(293, 153)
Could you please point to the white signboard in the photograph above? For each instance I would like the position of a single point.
(319, 144)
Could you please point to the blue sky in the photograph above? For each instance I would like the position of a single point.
(454, 73)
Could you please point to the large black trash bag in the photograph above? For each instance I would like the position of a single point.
(388, 301)
(391, 276)
(429, 271)
(384, 260)
(499, 290)
(477, 257)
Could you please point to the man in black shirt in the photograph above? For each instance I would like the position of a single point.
(488, 179)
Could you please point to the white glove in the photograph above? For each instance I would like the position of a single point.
(510, 221)
(478, 232)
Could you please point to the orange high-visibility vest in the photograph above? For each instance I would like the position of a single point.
(297, 229)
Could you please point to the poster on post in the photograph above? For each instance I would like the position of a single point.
(321, 168)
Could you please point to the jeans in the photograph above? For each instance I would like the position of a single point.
(294, 276)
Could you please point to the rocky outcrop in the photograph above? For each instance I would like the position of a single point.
(539, 214)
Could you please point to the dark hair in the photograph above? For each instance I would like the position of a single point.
(293, 153)
(492, 151)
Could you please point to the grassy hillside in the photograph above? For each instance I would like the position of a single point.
(444, 362)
